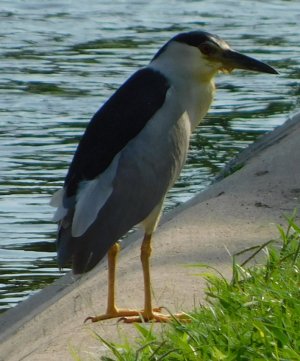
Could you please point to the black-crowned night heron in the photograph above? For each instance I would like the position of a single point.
(131, 154)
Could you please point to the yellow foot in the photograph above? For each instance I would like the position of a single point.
(118, 313)
(155, 316)
(132, 316)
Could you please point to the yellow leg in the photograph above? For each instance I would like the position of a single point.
(146, 250)
(112, 263)
(112, 311)
(149, 313)
(128, 315)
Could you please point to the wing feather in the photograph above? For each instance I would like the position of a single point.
(90, 181)
(91, 197)
(120, 119)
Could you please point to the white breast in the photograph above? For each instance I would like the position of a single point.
(183, 65)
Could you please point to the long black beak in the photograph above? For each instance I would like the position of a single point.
(234, 60)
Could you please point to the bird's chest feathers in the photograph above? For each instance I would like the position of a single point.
(196, 99)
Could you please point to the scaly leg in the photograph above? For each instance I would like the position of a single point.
(128, 315)
(149, 313)
(112, 311)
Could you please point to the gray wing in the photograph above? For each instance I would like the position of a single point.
(118, 121)
(128, 188)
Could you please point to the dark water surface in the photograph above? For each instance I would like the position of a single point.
(60, 60)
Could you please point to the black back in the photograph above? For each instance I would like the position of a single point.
(119, 120)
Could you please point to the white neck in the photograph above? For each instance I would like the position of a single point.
(190, 75)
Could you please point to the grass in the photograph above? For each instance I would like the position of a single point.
(255, 316)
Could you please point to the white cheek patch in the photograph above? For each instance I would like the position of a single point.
(91, 197)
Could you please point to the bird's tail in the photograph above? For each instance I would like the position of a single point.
(84, 252)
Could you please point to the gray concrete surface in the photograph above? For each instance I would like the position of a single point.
(237, 211)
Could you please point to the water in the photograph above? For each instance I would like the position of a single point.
(60, 60)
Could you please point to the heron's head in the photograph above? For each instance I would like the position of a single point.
(202, 54)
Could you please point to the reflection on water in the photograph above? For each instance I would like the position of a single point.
(61, 60)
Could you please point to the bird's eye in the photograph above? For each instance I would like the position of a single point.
(206, 48)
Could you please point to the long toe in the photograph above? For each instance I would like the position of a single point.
(120, 313)
(156, 317)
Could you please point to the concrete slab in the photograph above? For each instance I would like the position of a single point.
(240, 210)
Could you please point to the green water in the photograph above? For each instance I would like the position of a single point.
(60, 60)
